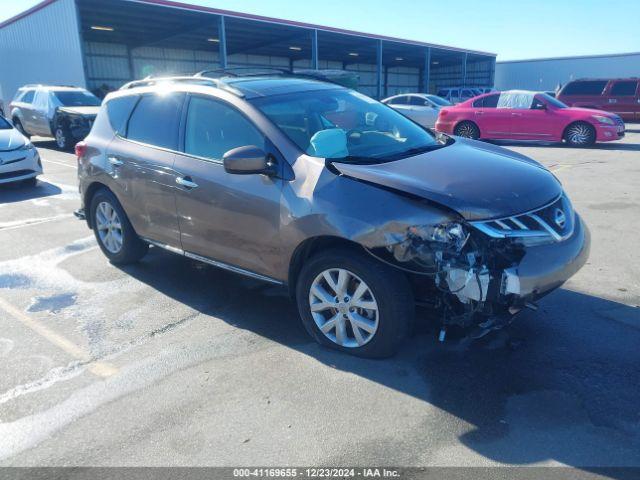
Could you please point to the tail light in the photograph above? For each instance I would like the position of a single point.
(81, 149)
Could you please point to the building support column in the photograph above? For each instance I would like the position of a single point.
(314, 49)
(222, 36)
(426, 72)
(379, 72)
(464, 69)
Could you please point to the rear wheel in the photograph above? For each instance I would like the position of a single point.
(18, 124)
(580, 134)
(113, 231)
(467, 129)
(353, 303)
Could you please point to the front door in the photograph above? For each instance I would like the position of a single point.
(533, 120)
(233, 219)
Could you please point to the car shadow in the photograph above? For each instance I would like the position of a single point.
(20, 192)
(561, 384)
(612, 146)
(48, 143)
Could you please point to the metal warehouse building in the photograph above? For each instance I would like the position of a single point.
(549, 73)
(93, 43)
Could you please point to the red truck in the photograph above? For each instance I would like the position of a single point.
(620, 96)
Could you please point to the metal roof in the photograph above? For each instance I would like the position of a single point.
(263, 30)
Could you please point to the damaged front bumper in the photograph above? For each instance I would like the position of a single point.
(496, 267)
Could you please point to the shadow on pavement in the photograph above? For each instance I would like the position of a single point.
(19, 191)
(561, 385)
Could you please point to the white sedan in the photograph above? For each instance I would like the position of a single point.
(19, 159)
(422, 108)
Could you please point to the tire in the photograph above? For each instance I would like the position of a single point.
(467, 129)
(130, 248)
(384, 287)
(18, 124)
(580, 134)
(30, 182)
(64, 138)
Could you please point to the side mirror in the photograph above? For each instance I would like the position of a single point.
(540, 106)
(248, 160)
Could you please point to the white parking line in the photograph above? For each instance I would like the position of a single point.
(75, 167)
(31, 221)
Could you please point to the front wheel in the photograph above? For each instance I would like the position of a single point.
(467, 130)
(351, 302)
(64, 139)
(113, 231)
(580, 134)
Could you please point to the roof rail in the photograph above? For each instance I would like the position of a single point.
(242, 72)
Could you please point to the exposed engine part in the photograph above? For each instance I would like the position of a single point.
(467, 285)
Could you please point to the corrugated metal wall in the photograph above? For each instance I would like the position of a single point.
(548, 74)
(41, 48)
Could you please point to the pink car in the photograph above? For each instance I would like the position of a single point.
(524, 115)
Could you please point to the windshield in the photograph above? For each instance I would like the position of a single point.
(345, 125)
(439, 101)
(4, 125)
(552, 101)
(77, 98)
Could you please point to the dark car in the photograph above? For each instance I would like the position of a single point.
(620, 96)
(65, 113)
(360, 212)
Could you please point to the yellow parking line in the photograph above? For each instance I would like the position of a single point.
(100, 369)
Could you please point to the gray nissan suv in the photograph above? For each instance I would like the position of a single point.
(361, 213)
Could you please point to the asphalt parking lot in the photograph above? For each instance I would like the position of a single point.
(172, 362)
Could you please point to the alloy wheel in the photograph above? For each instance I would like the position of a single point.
(344, 308)
(109, 227)
(467, 130)
(61, 139)
(579, 134)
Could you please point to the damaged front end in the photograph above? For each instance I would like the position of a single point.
(480, 274)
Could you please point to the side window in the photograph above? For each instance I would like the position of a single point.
(417, 101)
(624, 89)
(490, 101)
(402, 100)
(213, 128)
(28, 96)
(156, 119)
(442, 93)
(118, 111)
(589, 87)
(455, 93)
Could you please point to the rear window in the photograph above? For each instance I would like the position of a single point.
(118, 111)
(490, 101)
(27, 97)
(627, 88)
(594, 87)
(156, 119)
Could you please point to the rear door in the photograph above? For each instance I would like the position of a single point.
(141, 161)
(25, 105)
(233, 219)
(623, 99)
(494, 122)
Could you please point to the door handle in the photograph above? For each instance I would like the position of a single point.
(115, 161)
(479, 113)
(186, 182)
(516, 114)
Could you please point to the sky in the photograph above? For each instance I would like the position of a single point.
(514, 29)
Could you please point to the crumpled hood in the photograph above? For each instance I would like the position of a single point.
(11, 139)
(87, 111)
(477, 180)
